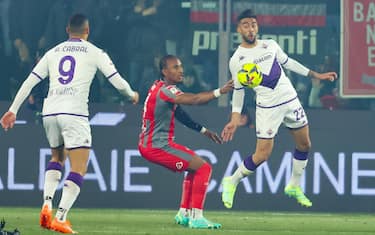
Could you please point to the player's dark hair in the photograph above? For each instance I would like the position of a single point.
(76, 23)
(249, 13)
(163, 63)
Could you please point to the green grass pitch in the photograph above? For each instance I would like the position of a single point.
(148, 222)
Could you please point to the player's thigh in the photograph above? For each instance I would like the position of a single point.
(268, 121)
(174, 157)
(53, 131)
(295, 116)
(76, 131)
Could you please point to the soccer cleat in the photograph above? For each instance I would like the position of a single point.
(45, 217)
(62, 227)
(227, 195)
(203, 223)
(296, 192)
(181, 219)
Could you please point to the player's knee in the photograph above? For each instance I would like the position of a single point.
(81, 170)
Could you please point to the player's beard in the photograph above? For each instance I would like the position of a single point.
(248, 40)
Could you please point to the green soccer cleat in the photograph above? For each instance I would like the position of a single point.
(181, 219)
(203, 223)
(296, 192)
(227, 195)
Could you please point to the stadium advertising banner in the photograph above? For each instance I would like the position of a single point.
(298, 28)
(357, 48)
(340, 176)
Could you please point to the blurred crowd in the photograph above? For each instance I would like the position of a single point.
(135, 33)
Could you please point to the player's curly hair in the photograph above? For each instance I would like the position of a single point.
(163, 63)
(248, 13)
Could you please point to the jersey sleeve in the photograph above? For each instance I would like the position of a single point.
(41, 68)
(24, 92)
(185, 119)
(238, 91)
(121, 85)
(290, 63)
(109, 70)
(39, 72)
(105, 64)
(169, 93)
(281, 56)
(234, 67)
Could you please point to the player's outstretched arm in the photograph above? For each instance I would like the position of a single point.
(297, 67)
(124, 88)
(203, 97)
(185, 119)
(323, 76)
(7, 120)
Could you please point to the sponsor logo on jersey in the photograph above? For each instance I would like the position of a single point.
(263, 58)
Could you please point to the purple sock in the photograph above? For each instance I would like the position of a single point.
(300, 155)
(54, 166)
(249, 163)
(76, 178)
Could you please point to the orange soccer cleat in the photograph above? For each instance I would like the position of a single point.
(45, 217)
(62, 227)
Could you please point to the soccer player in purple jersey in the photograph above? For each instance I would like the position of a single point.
(157, 145)
(71, 67)
(276, 103)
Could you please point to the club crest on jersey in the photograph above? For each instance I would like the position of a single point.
(241, 57)
(179, 165)
(173, 89)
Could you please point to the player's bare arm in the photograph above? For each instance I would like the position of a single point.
(203, 97)
(231, 127)
(323, 76)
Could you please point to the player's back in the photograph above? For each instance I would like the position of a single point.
(71, 67)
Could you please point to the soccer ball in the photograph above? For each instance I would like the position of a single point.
(250, 75)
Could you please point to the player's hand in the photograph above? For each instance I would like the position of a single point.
(227, 87)
(228, 131)
(7, 120)
(135, 98)
(213, 136)
(331, 76)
